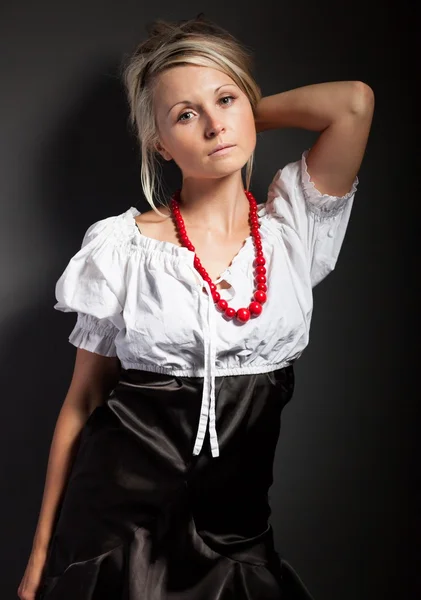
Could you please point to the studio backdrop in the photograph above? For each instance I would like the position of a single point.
(343, 508)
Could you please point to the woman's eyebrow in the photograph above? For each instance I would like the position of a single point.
(191, 102)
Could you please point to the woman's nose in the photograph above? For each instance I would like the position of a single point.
(214, 128)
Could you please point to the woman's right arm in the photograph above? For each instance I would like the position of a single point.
(94, 376)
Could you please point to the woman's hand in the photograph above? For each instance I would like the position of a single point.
(32, 577)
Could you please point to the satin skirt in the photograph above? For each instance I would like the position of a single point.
(143, 519)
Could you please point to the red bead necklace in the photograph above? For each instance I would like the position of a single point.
(255, 307)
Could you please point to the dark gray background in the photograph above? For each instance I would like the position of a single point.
(346, 469)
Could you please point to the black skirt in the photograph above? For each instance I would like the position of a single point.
(142, 518)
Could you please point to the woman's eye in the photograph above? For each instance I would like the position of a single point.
(182, 115)
(225, 98)
(189, 112)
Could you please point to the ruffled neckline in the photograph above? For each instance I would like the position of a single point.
(153, 245)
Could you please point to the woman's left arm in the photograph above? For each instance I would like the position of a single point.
(342, 111)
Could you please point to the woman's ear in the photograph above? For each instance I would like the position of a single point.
(159, 148)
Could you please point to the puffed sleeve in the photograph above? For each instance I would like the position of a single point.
(318, 221)
(91, 286)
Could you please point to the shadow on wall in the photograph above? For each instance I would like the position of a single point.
(91, 167)
(88, 169)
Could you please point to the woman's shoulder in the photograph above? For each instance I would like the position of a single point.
(112, 228)
(157, 227)
(132, 226)
(92, 281)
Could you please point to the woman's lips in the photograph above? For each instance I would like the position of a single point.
(222, 151)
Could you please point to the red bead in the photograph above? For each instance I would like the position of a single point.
(255, 308)
(243, 314)
(260, 296)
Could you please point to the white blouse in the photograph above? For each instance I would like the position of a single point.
(141, 299)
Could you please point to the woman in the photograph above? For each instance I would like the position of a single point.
(189, 320)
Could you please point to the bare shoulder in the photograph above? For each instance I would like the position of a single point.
(153, 225)
(150, 216)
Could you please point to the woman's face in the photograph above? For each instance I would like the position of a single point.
(197, 108)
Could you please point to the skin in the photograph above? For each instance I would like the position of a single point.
(212, 196)
(214, 206)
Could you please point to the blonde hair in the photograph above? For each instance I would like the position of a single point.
(196, 41)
